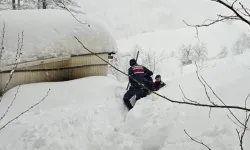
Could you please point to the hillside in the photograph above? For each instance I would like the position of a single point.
(75, 117)
(129, 18)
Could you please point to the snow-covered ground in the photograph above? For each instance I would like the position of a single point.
(89, 113)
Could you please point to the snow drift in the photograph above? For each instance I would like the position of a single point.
(50, 33)
(89, 114)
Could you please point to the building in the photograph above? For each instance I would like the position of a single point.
(52, 53)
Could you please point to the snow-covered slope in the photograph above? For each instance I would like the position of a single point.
(215, 37)
(89, 114)
(50, 33)
(130, 17)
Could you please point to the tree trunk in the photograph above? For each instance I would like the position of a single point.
(13, 4)
(38, 4)
(18, 4)
(44, 4)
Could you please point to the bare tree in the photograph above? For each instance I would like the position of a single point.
(223, 53)
(242, 44)
(186, 54)
(18, 4)
(14, 4)
(200, 52)
(44, 4)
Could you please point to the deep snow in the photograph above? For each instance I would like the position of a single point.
(88, 113)
(50, 33)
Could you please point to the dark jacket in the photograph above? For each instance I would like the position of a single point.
(138, 72)
(158, 85)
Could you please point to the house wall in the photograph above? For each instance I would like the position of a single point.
(73, 68)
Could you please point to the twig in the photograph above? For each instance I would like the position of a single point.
(205, 88)
(234, 122)
(63, 6)
(10, 104)
(243, 133)
(234, 3)
(197, 141)
(221, 100)
(22, 113)
(164, 97)
(245, 9)
(2, 46)
(233, 10)
(236, 15)
(186, 97)
(19, 48)
(210, 109)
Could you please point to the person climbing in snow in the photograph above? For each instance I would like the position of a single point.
(158, 83)
(137, 72)
(149, 83)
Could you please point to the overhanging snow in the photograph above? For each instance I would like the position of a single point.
(50, 33)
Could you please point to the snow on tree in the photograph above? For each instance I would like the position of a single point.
(223, 53)
(72, 5)
(242, 44)
(200, 52)
(186, 54)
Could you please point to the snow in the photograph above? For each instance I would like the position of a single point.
(50, 33)
(79, 114)
(171, 40)
(130, 18)
(89, 113)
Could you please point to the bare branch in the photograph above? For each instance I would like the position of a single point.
(245, 9)
(186, 97)
(18, 53)
(2, 46)
(205, 88)
(212, 22)
(10, 104)
(197, 141)
(164, 97)
(210, 112)
(221, 18)
(243, 133)
(63, 6)
(234, 3)
(234, 122)
(221, 100)
(233, 10)
(22, 113)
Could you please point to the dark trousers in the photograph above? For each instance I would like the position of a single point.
(130, 93)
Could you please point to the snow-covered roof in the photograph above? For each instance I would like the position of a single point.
(50, 33)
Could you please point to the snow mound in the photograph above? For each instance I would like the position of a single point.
(75, 115)
(50, 33)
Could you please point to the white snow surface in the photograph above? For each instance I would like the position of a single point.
(50, 33)
(89, 113)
